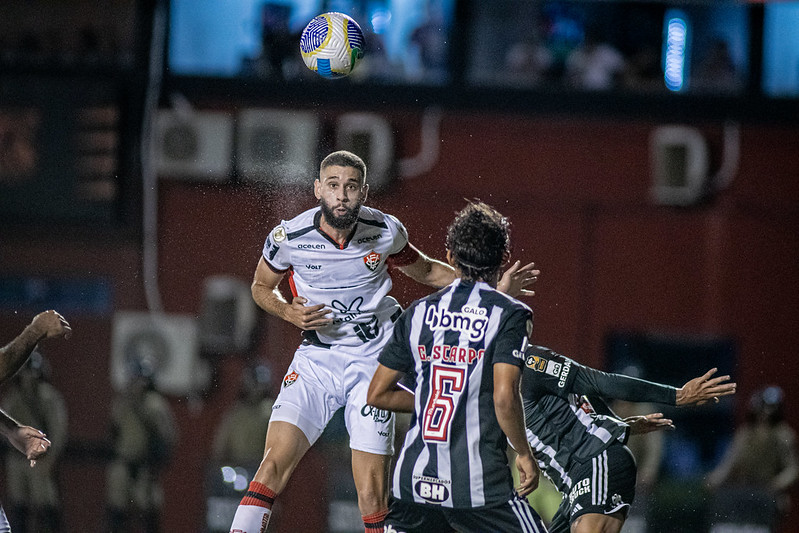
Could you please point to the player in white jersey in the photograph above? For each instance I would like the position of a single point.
(336, 257)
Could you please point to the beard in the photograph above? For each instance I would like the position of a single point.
(341, 221)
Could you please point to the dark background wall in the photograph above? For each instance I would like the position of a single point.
(577, 193)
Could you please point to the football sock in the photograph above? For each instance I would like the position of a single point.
(252, 515)
(374, 522)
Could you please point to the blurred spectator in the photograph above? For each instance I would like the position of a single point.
(594, 65)
(239, 439)
(279, 57)
(762, 459)
(32, 497)
(144, 435)
(528, 62)
(429, 44)
(716, 71)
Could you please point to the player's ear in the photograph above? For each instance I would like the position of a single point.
(317, 188)
(450, 259)
(364, 191)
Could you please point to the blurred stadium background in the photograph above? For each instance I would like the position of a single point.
(147, 146)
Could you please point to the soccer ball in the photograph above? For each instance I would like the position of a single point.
(331, 44)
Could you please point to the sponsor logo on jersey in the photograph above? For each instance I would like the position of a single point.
(290, 379)
(567, 366)
(372, 260)
(470, 320)
(448, 353)
(586, 406)
(431, 489)
(541, 364)
(368, 239)
(349, 311)
(378, 415)
(279, 234)
(313, 267)
(310, 247)
(578, 489)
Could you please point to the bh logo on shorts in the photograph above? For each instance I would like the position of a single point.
(431, 489)
(372, 261)
(290, 379)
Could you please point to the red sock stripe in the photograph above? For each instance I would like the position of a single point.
(259, 495)
(374, 522)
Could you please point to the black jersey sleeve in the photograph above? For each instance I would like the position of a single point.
(396, 354)
(594, 382)
(513, 336)
(548, 372)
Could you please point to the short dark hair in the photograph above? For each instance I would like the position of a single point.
(343, 158)
(479, 241)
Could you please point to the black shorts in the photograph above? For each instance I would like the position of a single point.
(513, 516)
(603, 485)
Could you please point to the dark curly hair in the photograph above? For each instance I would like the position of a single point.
(479, 241)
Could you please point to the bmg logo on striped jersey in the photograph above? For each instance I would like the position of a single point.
(470, 320)
(431, 489)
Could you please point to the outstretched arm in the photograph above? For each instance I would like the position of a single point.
(428, 271)
(702, 389)
(517, 278)
(30, 441)
(45, 325)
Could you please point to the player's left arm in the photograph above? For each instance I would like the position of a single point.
(385, 393)
(422, 268)
(45, 325)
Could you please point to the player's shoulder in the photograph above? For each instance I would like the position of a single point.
(375, 217)
(508, 302)
(304, 220)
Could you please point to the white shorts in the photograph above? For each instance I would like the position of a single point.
(319, 382)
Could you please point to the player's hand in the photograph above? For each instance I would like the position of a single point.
(310, 317)
(704, 388)
(517, 278)
(529, 474)
(30, 441)
(51, 324)
(641, 424)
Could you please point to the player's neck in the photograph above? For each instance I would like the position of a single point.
(338, 235)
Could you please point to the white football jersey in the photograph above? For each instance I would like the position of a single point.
(352, 279)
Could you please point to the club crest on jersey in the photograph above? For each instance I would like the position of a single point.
(290, 379)
(279, 234)
(372, 260)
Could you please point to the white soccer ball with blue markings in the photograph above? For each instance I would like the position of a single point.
(332, 44)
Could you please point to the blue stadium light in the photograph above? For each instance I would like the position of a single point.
(675, 51)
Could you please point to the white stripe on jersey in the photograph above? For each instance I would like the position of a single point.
(550, 452)
(599, 479)
(527, 519)
(587, 421)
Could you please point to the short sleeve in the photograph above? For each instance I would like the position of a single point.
(399, 233)
(397, 354)
(275, 254)
(514, 336)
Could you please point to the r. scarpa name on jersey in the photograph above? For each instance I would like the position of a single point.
(448, 353)
(470, 320)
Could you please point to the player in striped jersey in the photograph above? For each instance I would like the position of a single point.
(337, 257)
(580, 443)
(465, 345)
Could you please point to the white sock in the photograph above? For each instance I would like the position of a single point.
(250, 519)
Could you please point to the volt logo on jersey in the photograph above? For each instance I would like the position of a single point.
(431, 490)
(372, 261)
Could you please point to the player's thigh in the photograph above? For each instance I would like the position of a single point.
(598, 523)
(514, 515)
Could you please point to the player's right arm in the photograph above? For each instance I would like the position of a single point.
(45, 325)
(267, 295)
(510, 415)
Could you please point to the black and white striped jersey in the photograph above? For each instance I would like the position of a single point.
(351, 279)
(563, 427)
(454, 452)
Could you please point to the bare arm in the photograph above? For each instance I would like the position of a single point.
(45, 325)
(384, 393)
(429, 271)
(510, 415)
(266, 294)
(30, 441)
(517, 278)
